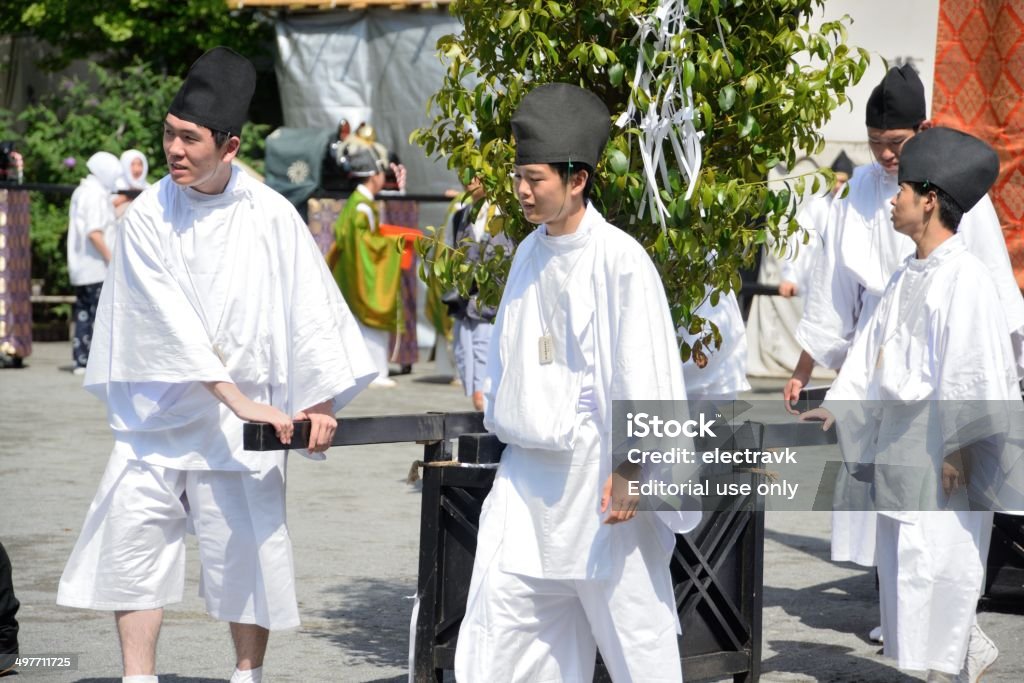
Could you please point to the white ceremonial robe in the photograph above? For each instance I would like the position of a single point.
(725, 374)
(859, 254)
(939, 334)
(550, 581)
(800, 256)
(90, 211)
(206, 288)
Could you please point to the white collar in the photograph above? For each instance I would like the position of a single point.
(939, 255)
(579, 238)
(229, 190)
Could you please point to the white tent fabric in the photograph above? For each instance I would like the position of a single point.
(378, 65)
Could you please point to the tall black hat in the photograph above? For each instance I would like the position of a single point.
(843, 164)
(217, 91)
(959, 164)
(898, 101)
(560, 122)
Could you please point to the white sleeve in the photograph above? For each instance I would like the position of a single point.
(812, 221)
(833, 306)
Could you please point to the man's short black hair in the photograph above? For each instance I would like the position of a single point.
(950, 212)
(562, 168)
(220, 137)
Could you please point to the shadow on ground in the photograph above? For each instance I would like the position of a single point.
(847, 605)
(433, 379)
(820, 548)
(828, 664)
(371, 621)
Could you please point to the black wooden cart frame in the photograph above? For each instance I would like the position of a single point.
(716, 568)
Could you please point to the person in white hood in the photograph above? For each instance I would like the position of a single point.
(90, 231)
(135, 170)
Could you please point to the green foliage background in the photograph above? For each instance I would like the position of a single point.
(763, 80)
(166, 35)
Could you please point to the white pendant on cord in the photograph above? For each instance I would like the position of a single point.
(669, 118)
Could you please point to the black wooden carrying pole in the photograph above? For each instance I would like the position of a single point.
(717, 568)
(427, 427)
(749, 290)
(359, 431)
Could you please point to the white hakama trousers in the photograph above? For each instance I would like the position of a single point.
(131, 552)
(931, 572)
(606, 587)
(377, 344)
(854, 520)
(853, 536)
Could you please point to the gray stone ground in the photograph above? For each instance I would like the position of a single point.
(354, 523)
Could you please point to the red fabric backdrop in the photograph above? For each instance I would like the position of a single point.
(979, 81)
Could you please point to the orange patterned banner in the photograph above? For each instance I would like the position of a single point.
(979, 80)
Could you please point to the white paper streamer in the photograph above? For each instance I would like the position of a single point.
(669, 117)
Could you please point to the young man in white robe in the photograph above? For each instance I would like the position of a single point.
(859, 254)
(940, 308)
(218, 309)
(564, 564)
(861, 251)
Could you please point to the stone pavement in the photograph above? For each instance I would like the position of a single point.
(354, 524)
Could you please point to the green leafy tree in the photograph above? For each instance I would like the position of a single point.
(763, 83)
(110, 110)
(107, 111)
(166, 35)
